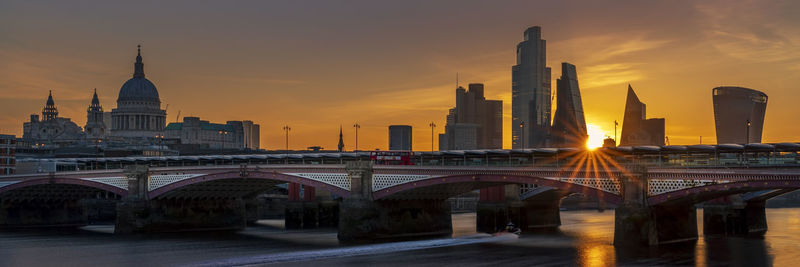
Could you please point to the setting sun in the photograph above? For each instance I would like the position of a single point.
(596, 136)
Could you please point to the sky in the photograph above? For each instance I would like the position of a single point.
(319, 65)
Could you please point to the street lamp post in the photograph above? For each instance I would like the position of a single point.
(96, 151)
(357, 126)
(747, 134)
(746, 141)
(286, 128)
(432, 125)
(522, 128)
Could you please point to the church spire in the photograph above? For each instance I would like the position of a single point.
(341, 140)
(138, 67)
(50, 112)
(95, 100)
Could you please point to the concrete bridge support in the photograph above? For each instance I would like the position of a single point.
(541, 212)
(363, 219)
(312, 211)
(637, 223)
(500, 205)
(136, 213)
(734, 217)
(492, 212)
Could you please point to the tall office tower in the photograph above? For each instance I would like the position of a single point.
(475, 123)
(530, 92)
(739, 114)
(399, 137)
(636, 129)
(569, 124)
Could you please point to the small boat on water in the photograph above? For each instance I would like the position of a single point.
(509, 229)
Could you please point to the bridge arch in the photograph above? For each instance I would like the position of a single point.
(277, 177)
(479, 181)
(709, 192)
(63, 181)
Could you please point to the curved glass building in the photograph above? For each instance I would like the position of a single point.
(738, 114)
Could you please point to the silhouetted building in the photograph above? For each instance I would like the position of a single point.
(193, 131)
(138, 113)
(341, 140)
(475, 123)
(95, 128)
(637, 130)
(569, 124)
(8, 161)
(530, 92)
(252, 138)
(609, 142)
(52, 129)
(739, 114)
(399, 137)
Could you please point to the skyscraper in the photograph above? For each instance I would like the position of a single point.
(400, 137)
(636, 129)
(530, 92)
(738, 114)
(475, 123)
(569, 124)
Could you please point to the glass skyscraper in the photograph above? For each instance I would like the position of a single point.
(569, 123)
(530, 89)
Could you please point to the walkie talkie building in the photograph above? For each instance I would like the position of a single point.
(738, 114)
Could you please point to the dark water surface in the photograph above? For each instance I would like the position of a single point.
(584, 239)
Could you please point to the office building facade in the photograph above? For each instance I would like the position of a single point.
(475, 123)
(738, 114)
(8, 161)
(569, 123)
(400, 137)
(637, 130)
(530, 92)
(194, 131)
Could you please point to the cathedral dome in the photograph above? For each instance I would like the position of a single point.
(138, 89)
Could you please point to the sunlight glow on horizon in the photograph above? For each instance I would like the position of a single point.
(596, 136)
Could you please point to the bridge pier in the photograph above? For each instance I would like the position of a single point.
(363, 219)
(136, 213)
(497, 208)
(636, 223)
(492, 212)
(314, 210)
(726, 217)
(541, 212)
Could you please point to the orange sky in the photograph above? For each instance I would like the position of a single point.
(318, 65)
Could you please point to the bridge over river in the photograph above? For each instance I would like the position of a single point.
(655, 202)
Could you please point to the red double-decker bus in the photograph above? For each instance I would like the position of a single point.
(392, 157)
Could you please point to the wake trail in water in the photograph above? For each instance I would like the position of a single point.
(354, 251)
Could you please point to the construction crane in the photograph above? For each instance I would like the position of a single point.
(178, 117)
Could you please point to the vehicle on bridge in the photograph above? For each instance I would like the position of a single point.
(392, 157)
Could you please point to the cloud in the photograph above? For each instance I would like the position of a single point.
(751, 30)
(609, 74)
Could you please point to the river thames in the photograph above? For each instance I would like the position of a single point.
(585, 238)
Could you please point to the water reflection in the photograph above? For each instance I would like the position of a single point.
(584, 239)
